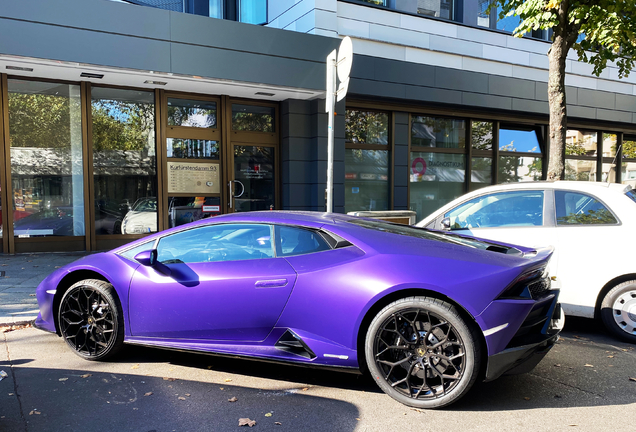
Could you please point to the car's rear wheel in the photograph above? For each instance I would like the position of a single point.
(421, 352)
(90, 320)
(618, 311)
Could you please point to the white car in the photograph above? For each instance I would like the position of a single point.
(590, 225)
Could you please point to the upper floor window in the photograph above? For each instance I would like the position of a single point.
(434, 8)
(247, 11)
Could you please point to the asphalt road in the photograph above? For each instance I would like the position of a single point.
(583, 384)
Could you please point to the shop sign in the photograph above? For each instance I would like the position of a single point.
(194, 178)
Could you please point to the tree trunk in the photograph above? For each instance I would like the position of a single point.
(564, 37)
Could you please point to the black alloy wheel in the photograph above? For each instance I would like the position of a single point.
(90, 320)
(421, 352)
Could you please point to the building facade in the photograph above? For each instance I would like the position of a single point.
(121, 118)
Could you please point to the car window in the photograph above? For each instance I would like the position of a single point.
(504, 209)
(298, 241)
(574, 208)
(130, 253)
(223, 242)
(631, 194)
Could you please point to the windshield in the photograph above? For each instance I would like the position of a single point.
(145, 205)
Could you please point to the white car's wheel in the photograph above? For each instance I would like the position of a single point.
(618, 311)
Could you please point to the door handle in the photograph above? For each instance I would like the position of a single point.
(231, 191)
(273, 283)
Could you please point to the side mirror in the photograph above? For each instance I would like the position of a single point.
(446, 224)
(149, 259)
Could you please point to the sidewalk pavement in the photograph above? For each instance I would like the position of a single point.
(20, 275)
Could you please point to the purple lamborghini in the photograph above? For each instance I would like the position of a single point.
(427, 313)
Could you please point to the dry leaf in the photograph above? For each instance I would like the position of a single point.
(62, 379)
(269, 414)
(233, 399)
(588, 365)
(228, 380)
(306, 388)
(277, 423)
(182, 398)
(610, 356)
(632, 379)
(247, 422)
(169, 379)
(220, 388)
(135, 366)
(188, 394)
(148, 394)
(557, 365)
(526, 398)
(209, 367)
(85, 375)
(358, 419)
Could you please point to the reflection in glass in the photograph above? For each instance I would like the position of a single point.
(629, 147)
(366, 180)
(580, 170)
(519, 168)
(191, 113)
(252, 118)
(252, 11)
(580, 143)
(438, 132)
(141, 218)
(483, 15)
(436, 8)
(254, 172)
(183, 210)
(366, 127)
(47, 181)
(216, 8)
(574, 208)
(516, 140)
(610, 145)
(481, 135)
(435, 180)
(124, 155)
(192, 148)
(481, 172)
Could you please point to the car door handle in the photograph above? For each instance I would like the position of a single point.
(272, 283)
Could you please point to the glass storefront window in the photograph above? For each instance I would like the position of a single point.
(519, 168)
(45, 130)
(438, 132)
(436, 179)
(518, 140)
(252, 118)
(580, 170)
(580, 143)
(610, 145)
(183, 210)
(366, 127)
(481, 135)
(254, 175)
(191, 113)
(366, 180)
(124, 158)
(252, 11)
(192, 148)
(481, 173)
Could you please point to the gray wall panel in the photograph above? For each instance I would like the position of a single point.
(394, 71)
(401, 176)
(487, 101)
(455, 79)
(625, 102)
(431, 94)
(105, 16)
(83, 46)
(614, 116)
(400, 198)
(401, 118)
(530, 106)
(581, 112)
(504, 86)
(596, 99)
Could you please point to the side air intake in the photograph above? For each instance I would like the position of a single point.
(293, 344)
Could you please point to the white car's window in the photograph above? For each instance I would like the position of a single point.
(225, 242)
(504, 209)
(297, 241)
(574, 208)
(631, 194)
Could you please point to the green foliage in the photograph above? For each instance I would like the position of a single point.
(600, 31)
(366, 127)
(592, 217)
(481, 135)
(252, 122)
(575, 148)
(629, 149)
(119, 125)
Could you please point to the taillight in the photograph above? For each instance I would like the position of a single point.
(530, 284)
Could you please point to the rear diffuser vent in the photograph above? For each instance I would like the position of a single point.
(292, 343)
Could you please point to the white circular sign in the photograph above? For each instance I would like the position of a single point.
(345, 58)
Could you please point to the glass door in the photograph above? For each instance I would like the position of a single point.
(253, 181)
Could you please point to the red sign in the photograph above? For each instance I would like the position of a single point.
(418, 166)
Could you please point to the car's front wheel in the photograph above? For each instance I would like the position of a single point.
(90, 320)
(618, 311)
(421, 352)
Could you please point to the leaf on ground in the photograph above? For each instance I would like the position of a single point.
(233, 399)
(588, 365)
(632, 379)
(169, 379)
(86, 375)
(557, 365)
(35, 412)
(247, 422)
(277, 423)
(209, 367)
(269, 414)
(526, 398)
(181, 398)
(188, 394)
(610, 356)
(228, 380)
(148, 394)
(305, 388)
(62, 379)
(135, 366)
(220, 388)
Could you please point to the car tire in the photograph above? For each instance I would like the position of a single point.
(422, 353)
(618, 311)
(91, 321)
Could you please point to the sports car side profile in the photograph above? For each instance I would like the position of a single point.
(427, 313)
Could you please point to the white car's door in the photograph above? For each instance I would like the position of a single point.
(584, 225)
(522, 217)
